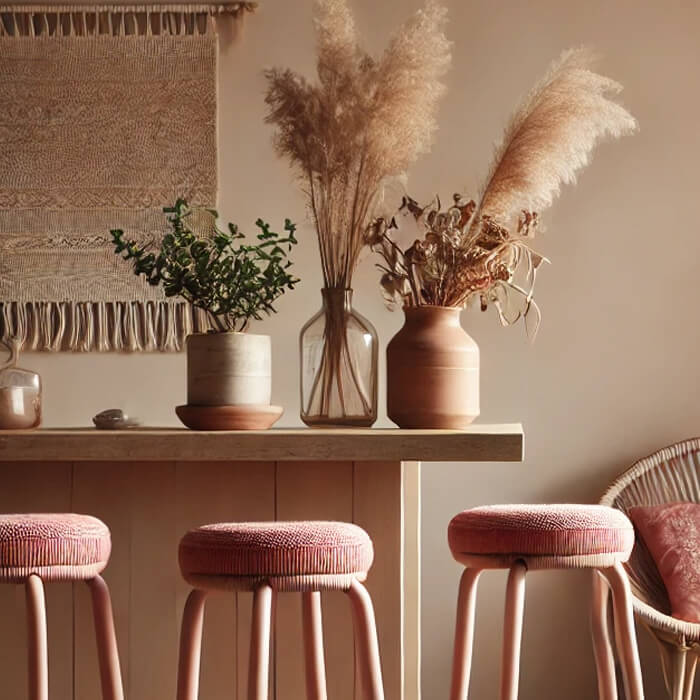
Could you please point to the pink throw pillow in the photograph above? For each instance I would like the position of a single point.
(671, 533)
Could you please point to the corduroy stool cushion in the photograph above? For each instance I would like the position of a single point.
(560, 536)
(56, 546)
(316, 551)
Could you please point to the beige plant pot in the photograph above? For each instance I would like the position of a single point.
(432, 371)
(228, 369)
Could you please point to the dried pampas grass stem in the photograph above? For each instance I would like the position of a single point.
(551, 137)
(365, 120)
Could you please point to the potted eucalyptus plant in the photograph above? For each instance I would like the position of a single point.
(232, 282)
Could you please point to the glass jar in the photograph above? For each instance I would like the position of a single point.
(20, 393)
(339, 358)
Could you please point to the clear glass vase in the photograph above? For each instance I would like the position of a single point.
(339, 355)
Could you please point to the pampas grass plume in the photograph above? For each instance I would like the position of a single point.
(551, 136)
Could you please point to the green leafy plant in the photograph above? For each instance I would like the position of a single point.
(232, 282)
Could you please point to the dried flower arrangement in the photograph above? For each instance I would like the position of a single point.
(483, 249)
(365, 120)
(445, 268)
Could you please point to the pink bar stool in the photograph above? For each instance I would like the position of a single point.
(295, 557)
(38, 548)
(530, 537)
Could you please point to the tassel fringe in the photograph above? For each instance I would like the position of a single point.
(114, 20)
(100, 326)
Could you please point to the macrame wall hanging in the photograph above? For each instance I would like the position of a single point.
(107, 114)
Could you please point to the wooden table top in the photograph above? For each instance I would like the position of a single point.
(478, 443)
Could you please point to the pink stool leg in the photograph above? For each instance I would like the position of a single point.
(366, 641)
(259, 668)
(624, 631)
(512, 631)
(689, 680)
(191, 646)
(313, 646)
(107, 651)
(679, 667)
(602, 647)
(36, 639)
(464, 634)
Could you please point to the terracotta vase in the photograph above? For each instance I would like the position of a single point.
(432, 371)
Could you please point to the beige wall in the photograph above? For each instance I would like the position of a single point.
(614, 371)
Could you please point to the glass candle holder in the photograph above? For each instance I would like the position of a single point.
(20, 393)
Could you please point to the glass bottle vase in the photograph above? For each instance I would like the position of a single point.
(339, 357)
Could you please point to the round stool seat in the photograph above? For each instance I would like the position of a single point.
(55, 546)
(293, 556)
(544, 536)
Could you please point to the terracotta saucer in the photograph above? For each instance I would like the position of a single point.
(229, 417)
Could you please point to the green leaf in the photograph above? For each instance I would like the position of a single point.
(233, 282)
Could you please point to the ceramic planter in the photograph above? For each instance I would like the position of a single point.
(432, 371)
(229, 369)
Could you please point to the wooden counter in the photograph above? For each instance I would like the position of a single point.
(150, 486)
(479, 443)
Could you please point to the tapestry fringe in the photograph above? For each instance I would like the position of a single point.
(101, 326)
(114, 20)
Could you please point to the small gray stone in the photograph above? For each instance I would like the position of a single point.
(114, 419)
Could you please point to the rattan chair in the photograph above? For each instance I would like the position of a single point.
(669, 475)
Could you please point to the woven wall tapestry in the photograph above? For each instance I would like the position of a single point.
(107, 114)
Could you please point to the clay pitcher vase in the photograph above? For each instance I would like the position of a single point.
(432, 371)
